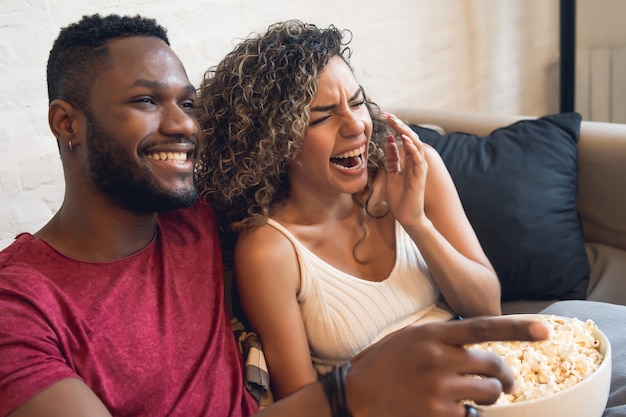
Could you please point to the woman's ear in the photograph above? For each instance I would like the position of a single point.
(62, 118)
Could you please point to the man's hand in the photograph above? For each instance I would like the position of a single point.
(426, 370)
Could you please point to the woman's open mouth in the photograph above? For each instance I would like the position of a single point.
(353, 159)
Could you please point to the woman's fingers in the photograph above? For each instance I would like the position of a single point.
(412, 145)
(393, 120)
(412, 148)
(407, 134)
(393, 156)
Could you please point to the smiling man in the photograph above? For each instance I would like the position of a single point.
(96, 305)
(121, 108)
(116, 307)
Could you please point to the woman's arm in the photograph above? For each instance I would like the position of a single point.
(451, 248)
(424, 200)
(267, 277)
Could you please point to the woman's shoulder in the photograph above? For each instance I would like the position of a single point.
(432, 155)
(265, 241)
(265, 256)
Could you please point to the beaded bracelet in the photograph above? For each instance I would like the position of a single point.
(334, 385)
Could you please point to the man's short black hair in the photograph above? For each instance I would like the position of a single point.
(81, 50)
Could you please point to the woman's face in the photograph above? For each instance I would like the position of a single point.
(333, 158)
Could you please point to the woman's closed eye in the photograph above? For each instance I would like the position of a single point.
(318, 120)
(358, 103)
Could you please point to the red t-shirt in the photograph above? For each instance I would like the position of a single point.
(149, 334)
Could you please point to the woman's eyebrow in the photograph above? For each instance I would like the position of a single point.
(358, 92)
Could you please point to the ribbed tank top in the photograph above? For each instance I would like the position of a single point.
(344, 314)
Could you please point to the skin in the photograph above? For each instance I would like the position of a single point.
(426, 364)
(321, 213)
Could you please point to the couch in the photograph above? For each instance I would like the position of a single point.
(600, 203)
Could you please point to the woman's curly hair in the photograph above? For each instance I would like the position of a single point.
(254, 112)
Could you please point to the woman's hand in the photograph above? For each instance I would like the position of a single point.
(406, 173)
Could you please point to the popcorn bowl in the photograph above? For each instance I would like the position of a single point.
(586, 398)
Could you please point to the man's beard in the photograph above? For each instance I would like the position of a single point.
(131, 186)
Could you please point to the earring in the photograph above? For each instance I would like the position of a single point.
(69, 142)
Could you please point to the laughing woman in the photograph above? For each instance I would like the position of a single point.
(345, 227)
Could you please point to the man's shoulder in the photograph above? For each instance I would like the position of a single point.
(21, 249)
(21, 264)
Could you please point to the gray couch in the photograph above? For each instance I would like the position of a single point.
(601, 195)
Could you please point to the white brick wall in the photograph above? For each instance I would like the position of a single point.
(485, 55)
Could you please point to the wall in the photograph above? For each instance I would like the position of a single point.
(600, 23)
(600, 74)
(483, 55)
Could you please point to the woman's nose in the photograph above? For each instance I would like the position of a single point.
(352, 125)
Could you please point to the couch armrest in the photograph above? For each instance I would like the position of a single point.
(601, 166)
(602, 182)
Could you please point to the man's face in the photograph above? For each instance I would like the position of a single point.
(142, 133)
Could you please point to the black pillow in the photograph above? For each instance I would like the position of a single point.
(518, 186)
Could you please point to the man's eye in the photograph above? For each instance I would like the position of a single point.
(144, 100)
(188, 105)
(358, 103)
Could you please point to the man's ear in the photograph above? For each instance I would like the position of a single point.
(63, 121)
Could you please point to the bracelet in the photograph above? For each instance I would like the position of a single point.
(334, 385)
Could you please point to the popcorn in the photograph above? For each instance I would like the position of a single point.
(542, 368)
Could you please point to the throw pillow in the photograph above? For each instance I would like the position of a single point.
(518, 186)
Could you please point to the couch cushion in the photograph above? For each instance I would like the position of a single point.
(610, 320)
(518, 186)
(607, 278)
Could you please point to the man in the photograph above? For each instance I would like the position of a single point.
(115, 307)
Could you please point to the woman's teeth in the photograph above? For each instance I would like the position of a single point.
(350, 154)
(349, 160)
(178, 157)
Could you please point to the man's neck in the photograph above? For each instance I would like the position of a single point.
(98, 234)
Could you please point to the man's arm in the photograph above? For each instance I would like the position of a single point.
(418, 371)
(67, 398)
(421, 371)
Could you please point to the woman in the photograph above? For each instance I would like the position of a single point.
(347, 227)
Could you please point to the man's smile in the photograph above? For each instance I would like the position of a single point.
(177, 157)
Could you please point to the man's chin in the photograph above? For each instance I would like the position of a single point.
(177, 201)
(184, 203)
(156, 201)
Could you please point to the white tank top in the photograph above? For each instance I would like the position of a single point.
(344, 314)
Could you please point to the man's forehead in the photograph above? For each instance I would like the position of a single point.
(140, 61)
(138, 49)
(148, 58)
